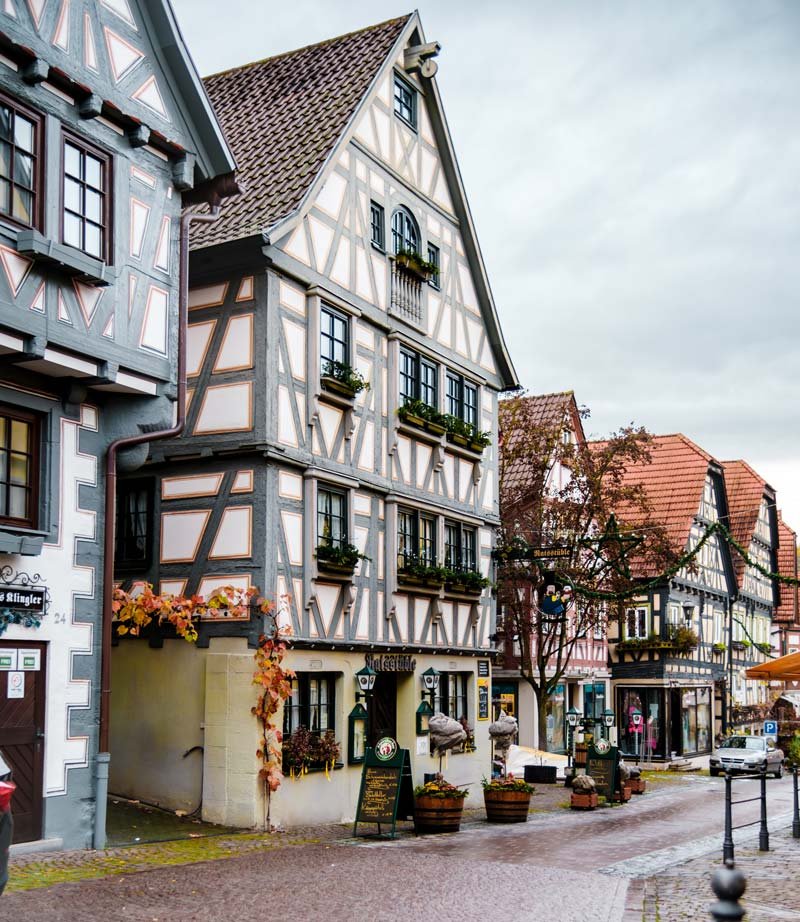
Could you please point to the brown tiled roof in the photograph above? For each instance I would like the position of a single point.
(745, 490)
(787, 610)
(673, 482)
(283, 116)
(543, 412)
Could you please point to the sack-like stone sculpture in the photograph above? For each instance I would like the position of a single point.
(624, 771)
(446, 733)
(503, 731)
(583, 784)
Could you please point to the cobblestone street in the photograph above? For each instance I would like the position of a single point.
(650, 860)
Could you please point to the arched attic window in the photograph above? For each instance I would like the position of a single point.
(405, 232)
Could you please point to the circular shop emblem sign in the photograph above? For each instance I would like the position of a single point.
(602, 746)
(385, 748)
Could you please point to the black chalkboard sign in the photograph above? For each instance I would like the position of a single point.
(601, 764)
(387, 790)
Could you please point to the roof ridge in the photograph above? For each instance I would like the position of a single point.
(327, 41)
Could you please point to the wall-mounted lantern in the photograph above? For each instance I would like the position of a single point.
(358, 723)
(424, 714)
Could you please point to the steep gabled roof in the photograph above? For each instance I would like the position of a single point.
(284, 115)
(787, 611)
(545, 412)
(745, 489)
(673, 482)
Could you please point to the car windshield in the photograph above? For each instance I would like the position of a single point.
(743, 742)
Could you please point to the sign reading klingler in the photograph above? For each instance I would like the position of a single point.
(23, 598)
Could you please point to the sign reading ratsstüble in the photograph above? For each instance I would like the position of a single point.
(387, 790)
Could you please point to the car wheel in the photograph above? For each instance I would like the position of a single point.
(714, 772)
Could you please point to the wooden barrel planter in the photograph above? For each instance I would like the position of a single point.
(506, 806)
(437, 814)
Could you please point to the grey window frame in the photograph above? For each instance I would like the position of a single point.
(377, 218)
(336, 317)
(401, 104)
(435, 257)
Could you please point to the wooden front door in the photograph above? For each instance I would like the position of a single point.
(22, 742)
(383, 708)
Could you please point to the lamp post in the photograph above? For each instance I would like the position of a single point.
(430, 681)
(688, 612)
(636, 720)
(366, 682)
(572, 721)
(359, 724)
(608, 722)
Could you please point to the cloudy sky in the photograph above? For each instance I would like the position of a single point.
(633, 170)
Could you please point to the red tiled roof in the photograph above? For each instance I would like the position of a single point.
(787, 610)
(546, 413)
(745, 490)
(673, 482)
(283, 116)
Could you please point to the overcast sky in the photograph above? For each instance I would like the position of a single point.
(633, 170)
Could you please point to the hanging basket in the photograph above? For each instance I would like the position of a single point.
(437, 814)
(506, 806)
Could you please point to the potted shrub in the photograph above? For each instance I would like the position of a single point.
(414, 573)
(342, 379)
(718, 647)
(470, 582)
(507, 799)
(438, 806)
(422, 415)
(340, 559)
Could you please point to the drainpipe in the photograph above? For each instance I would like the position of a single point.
(104, 756)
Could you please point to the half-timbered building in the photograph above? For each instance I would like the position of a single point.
(668, 647)
(753, 524)
(585, 684)
(345, 358)
(104, 125)
(786, 619)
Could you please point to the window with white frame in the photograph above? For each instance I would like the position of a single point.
(718, 619)
(331, 517)
(311, 703)
(637, 622)
(451, 697)
(416, 539)
(460, 547)
(673, 614)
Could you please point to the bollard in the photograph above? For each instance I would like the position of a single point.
(796, 814)
(727, 842)
(728, 885)
(763, 832)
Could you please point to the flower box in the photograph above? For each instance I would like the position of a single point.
(637, 785)
(623, 796)
(434, 428)
(583, 801)
(337, 387)
(336, 569)
(457, 439)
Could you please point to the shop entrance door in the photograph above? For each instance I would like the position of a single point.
(22, 700)
(675, 722)
(383, 708)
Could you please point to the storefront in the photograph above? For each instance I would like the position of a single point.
(675, 721)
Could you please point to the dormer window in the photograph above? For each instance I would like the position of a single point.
(405, 233)
(405, 102)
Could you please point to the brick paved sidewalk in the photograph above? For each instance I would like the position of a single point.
(34, 870)
(683, 893)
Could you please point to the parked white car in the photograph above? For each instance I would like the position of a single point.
(746, 754)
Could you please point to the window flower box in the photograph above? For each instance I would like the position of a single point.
(340, 560)
(342, 379)
(429, 577)
(465, 583)
(412, 263)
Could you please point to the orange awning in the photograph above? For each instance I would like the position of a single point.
(783, 668)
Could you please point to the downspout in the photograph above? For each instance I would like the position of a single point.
(103, 755)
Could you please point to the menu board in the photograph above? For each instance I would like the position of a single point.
(379, 789)
(387, 790)
(602, 766)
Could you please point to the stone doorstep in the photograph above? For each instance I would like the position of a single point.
(39, 845)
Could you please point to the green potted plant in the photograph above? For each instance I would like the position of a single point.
(718, 647)
(469, 582)
(507, 799)
(415, 573)
(422, 415)
(765, 648)
(438, 806)
(411, 261)
(341, 558)
(342, 379)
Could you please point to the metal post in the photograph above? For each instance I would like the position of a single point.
(638, 735)
(796, 812)
(727, 842)
(763, 832)
(728, 885)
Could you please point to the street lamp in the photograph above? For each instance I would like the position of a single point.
(358, 723)
(572, 721)
(636, 720)
(430, 679)
(688, 612)
(366, 681)
(608, 721)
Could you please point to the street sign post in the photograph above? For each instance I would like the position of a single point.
(771, 728)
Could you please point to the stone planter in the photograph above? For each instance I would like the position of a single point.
(583, 801)
(637, 785)
(437, 814)
(506, 806)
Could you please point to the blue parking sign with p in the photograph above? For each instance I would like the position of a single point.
(770, 728)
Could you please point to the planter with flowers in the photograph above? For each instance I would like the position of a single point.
(507, 799)
(305, 752)
(342, 379)
(438, 806)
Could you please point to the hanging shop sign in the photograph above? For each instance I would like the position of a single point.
(391, 662)
(23, 599)
(387, 790)
(483, 668)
